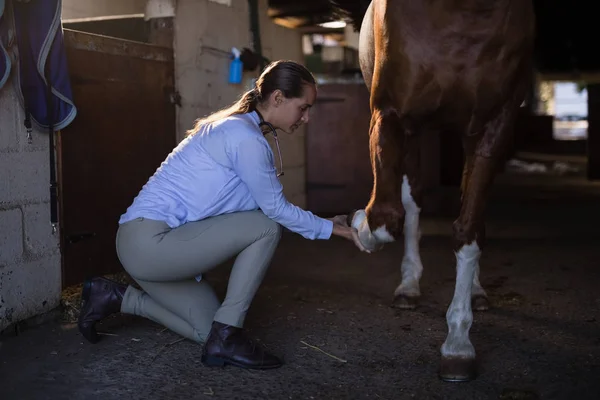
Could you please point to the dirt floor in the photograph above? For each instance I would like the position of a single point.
(325, 308)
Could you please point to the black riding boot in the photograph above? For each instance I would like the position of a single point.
(100, 298)
(227, 344)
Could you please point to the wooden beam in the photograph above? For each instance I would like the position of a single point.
(590, 77)
(593, 141)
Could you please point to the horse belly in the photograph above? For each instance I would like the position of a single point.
(366, 48)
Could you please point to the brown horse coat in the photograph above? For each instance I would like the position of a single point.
(454, 67)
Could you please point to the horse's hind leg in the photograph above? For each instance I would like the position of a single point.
(408, 292)
(479, 298)
(458, 353)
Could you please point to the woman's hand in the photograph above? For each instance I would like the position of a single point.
(341, 228)
(340, 220)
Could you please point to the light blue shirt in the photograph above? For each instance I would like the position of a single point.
(226, 167)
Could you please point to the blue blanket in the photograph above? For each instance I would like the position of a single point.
(5, 63)
(41, 60)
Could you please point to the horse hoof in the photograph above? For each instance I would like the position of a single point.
(404, 302)
(480, 303)
(455, 369)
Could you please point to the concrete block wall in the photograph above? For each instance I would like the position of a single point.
(201, 72)
(30, 261)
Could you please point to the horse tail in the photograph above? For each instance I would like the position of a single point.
(353, 10)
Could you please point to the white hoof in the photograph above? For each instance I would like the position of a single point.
(372, 241)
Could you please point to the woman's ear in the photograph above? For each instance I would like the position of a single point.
(278, 98)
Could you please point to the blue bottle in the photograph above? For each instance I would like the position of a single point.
(235, 67)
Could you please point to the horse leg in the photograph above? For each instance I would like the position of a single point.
(408, 292)
(458, 353)
(383, 218)
(479, 298)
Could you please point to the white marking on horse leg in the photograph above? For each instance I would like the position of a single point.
(479, 298)
(382, 235)
(411, 268)
(477, 289)
(459, 315)
(372, 241)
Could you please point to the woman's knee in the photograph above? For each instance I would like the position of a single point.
(275, 229)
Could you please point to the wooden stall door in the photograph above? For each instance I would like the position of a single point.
(124, 129)
(339, 177)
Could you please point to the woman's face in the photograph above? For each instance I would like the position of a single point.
(290, 113)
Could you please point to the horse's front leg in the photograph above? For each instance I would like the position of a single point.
(395, 202)
(458, 353)
(383, 218)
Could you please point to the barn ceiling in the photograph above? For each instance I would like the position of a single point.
(304, 14)
(566, 30)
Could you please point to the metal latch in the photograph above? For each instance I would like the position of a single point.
(77, 237)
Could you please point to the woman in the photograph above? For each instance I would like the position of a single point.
(217, 195)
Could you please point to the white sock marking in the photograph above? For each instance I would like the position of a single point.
(477, 289)
(459, 315)
(411, 268)
(382, 235)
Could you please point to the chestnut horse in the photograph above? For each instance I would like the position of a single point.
(455, 67)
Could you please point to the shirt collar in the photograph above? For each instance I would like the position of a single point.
(254, 117)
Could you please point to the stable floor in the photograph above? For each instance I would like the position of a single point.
(325, 308)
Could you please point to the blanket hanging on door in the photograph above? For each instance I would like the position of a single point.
(43, 84)
(41, 61)
(5, 63)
